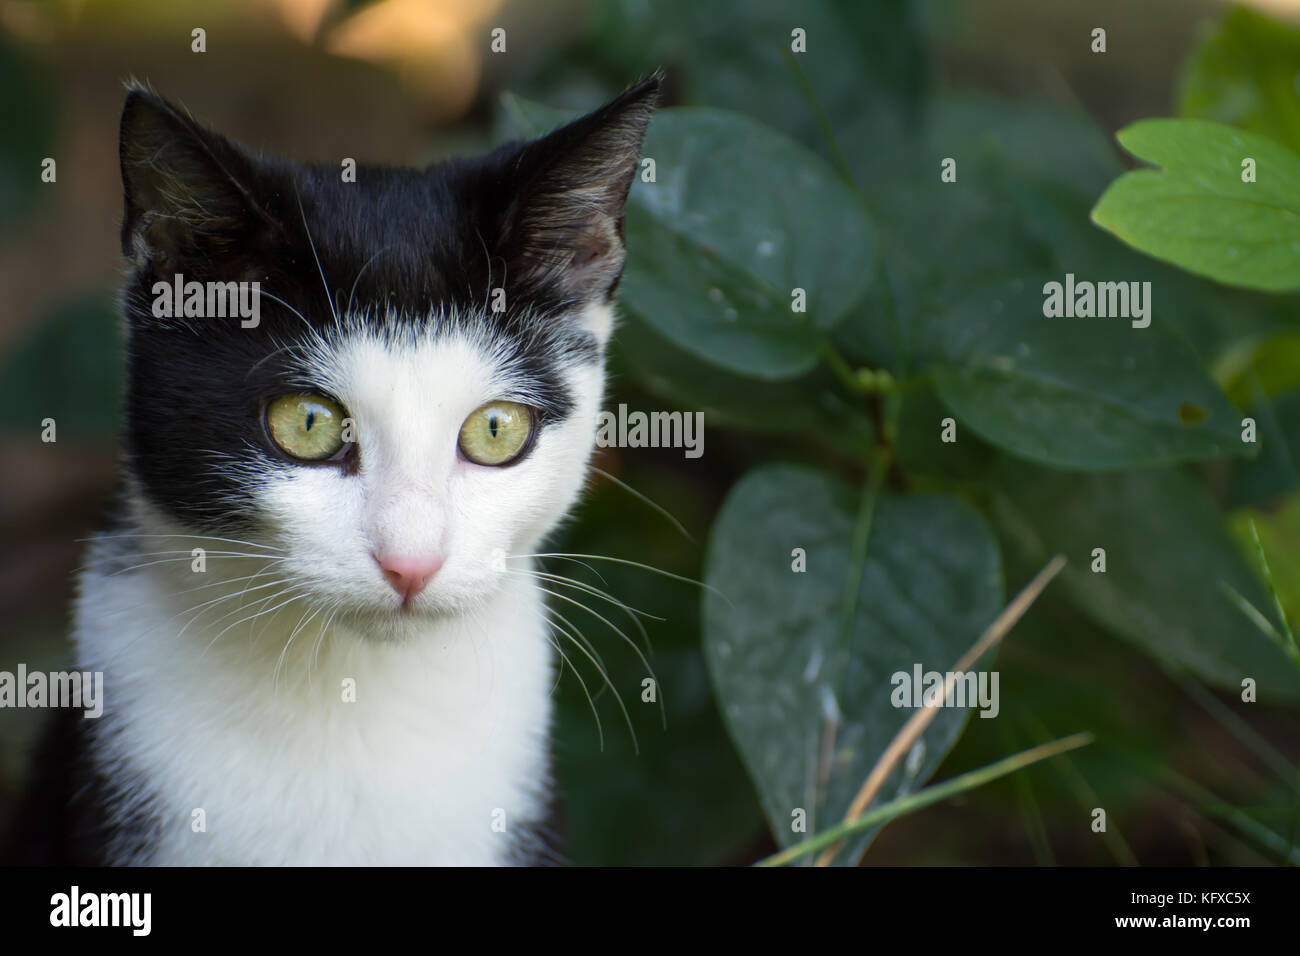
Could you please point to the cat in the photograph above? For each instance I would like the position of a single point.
(321, 638)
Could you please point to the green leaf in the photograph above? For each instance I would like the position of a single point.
(944, 238)
(1167, 558)
(1209, 317)
(1197, 213)
(739, 216)
(932, 583)
(1244, 74)
(811, 405)
(1088, 393)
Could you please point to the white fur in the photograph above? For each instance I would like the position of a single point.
(244, 717)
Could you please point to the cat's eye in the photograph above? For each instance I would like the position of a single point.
(497, 433)
(307, 427)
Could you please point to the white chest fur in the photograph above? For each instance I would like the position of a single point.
(336, 751)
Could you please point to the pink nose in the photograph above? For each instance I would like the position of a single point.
(409, 574)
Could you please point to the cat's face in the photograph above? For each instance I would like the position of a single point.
(417, 398)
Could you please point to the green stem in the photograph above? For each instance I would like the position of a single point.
(840, 366)
(923, 798)
(858, 554)
(1245, 824)
(838, 158)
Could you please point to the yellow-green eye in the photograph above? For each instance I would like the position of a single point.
(497, 433)
(309, 427)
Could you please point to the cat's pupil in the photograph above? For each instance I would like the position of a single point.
(311, 418)
(492, 426)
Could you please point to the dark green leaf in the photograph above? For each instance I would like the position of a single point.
(944, 238)
(1090, 393)
(740, 217)
(814, 403)
(932, 583)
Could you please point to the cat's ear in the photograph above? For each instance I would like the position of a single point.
(564, 228)
(187, 189)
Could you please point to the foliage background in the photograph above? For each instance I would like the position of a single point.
(1073, 434)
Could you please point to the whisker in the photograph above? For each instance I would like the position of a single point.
(320, 638)
(653, 504)
(593, 590)
(216, 600)
(582, 588)
(600, 732)
(184, 556)
(559, 670)
(635, 564)
(311, 242)
(303, 621)
(275, 298)
(348, 309)
(239, 607)
(196, 537)
(256, 615)
(576, 632)
(631, 643)
(218, 583)
(636, 746)
(574, 560)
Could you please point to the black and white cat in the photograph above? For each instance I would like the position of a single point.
(355, 668)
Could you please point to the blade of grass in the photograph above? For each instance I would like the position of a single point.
(1211, 805)
(924, 798)
(917, 723)
(1292, 651)
(1087, 798)
(1233, 723)
(1030, 813)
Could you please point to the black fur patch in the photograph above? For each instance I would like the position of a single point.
(65, 817)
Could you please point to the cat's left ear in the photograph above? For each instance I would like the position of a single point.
(563, 230)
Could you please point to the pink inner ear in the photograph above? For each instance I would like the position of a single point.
(589, 251)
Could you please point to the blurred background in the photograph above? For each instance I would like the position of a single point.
(410, 81)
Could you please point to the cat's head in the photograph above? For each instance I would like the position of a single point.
(418, 394)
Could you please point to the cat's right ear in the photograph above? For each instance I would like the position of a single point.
(187, 194)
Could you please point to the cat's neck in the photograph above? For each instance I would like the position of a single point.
(300, 739)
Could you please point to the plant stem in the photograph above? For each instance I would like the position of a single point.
(917, 723)
(923, 798)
